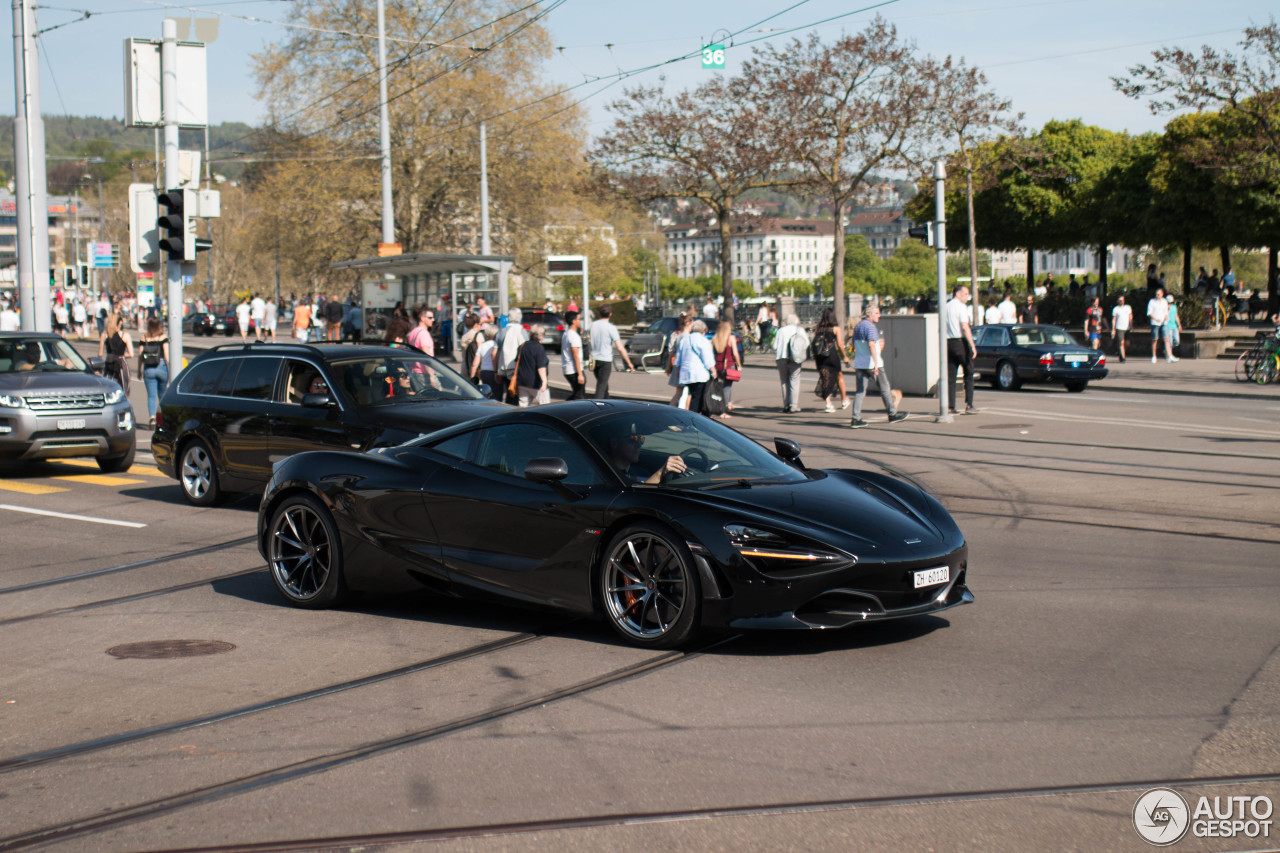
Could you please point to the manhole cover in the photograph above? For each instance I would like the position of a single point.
(157, 649)
(1005, 426)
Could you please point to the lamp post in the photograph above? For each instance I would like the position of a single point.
(102, 216)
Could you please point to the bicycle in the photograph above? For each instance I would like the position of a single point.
(1261, 363)
(1216, 312)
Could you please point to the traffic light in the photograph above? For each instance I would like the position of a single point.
(178, 225)
(84, 275)
(68, 278)
(922, 232)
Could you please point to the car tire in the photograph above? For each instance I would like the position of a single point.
(197, 474)
(1076, 387)
(304, 553)
(649, 588)
(116, 464)
(1007, 377)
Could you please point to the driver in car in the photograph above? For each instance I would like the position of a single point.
(399, 383)
(31, 358)
(624, 457)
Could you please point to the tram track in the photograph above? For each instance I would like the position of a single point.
(140, 812)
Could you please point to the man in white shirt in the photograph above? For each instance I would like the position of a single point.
(242, 318)
(604, 341)
(571, 356)
(789, 347)
(9, 319)
(961, 350)
(1121, 322)
(258, 313)
(991, 315)
(1008, 311)
(1158, 314)
(508, 345)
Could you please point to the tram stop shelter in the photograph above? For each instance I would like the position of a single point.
(451, 281)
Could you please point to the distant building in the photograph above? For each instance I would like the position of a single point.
(884, 230)
(765, 250)
(1062, 263)
(72, 226)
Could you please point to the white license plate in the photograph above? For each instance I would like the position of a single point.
(931, 577)
(71, 423)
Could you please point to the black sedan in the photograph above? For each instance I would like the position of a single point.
(238, 408)
(1011, 355)
(659, 520)
(553, 324)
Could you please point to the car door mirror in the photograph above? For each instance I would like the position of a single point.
(96, 363)
(787, 448)
(551, 469)
(316, 401)
(486, 390)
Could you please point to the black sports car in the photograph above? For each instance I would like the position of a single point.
(1011, 355)
(660, 520)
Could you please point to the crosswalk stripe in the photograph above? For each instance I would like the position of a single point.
(97, 479)
(29, 488)
(134, 471)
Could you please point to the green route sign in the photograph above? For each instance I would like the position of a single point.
(713, 56)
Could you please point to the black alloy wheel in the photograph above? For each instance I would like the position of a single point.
(305, 553)
(197, 474)
(649, 588)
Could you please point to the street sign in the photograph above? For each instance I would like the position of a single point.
(103, 255)
(713, 57)
(147, 289)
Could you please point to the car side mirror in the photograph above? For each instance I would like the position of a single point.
(316, 401)
(486, 390)
(96, 363)
(547, 470)
(787, 448)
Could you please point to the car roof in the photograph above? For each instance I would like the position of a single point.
(327, 352)
(48, 336)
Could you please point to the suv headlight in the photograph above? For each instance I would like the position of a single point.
(12, 401)
(115, 396)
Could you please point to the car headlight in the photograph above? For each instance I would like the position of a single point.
(115, 396)
(776, 555)
(12, 401)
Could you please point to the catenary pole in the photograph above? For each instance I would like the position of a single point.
(388, 212)
(29, 176)
(169, 107)
(940, 246)
(484, 195)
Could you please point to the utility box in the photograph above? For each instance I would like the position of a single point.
(911, 352)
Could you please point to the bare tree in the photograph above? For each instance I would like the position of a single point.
(709, 144)
(968, 113)
(844, 111)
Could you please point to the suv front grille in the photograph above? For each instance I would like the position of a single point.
(65, 402)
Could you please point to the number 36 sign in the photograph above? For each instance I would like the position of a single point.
(713, 56)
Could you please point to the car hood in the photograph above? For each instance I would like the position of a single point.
(52, 382)
(868, 515)
(425, 417)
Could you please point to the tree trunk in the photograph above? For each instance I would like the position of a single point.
(726, 262)
(1224, 252)
(837, 263)
(1273, 282)
(1186, 265)
(1102, 271)
(1031, 268)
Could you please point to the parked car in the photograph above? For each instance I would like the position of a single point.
(203, 323)
(53, 405)
(239, 408)
(579, 506)
(553, 323)
(1011, 355)
(649, 349)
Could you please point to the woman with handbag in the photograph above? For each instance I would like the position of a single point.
(728, 367)
(680, 398)
(153, 363)
(116, 348)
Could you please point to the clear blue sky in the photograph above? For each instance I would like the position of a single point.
(1053, 58)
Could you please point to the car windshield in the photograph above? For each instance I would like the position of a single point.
(638, 443)
(396, 377)
(18, 355)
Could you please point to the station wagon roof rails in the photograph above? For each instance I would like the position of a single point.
(251, 345)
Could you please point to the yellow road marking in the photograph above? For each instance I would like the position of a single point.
(28, 488)
(135, 471)
(97, 479)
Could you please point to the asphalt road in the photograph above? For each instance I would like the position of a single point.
(1123, 553)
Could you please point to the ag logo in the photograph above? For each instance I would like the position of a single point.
(1161, 816)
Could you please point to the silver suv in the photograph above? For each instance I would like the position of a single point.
(53, 405)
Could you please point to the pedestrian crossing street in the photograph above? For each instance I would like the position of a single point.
(75, 472)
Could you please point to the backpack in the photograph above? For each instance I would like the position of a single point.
(822, 346)
(798, 347)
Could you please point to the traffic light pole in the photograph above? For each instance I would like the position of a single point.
(169, 106)
(940, 246)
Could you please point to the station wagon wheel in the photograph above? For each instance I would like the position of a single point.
(1007, 376)
(305, 554)
(649, 588)
(197, 474)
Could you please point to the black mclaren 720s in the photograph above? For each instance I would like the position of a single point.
(659, 520)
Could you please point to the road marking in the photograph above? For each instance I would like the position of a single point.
(70, 516)
(1086, 419)
(29, 488)
(96, 479)
(134, 471)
